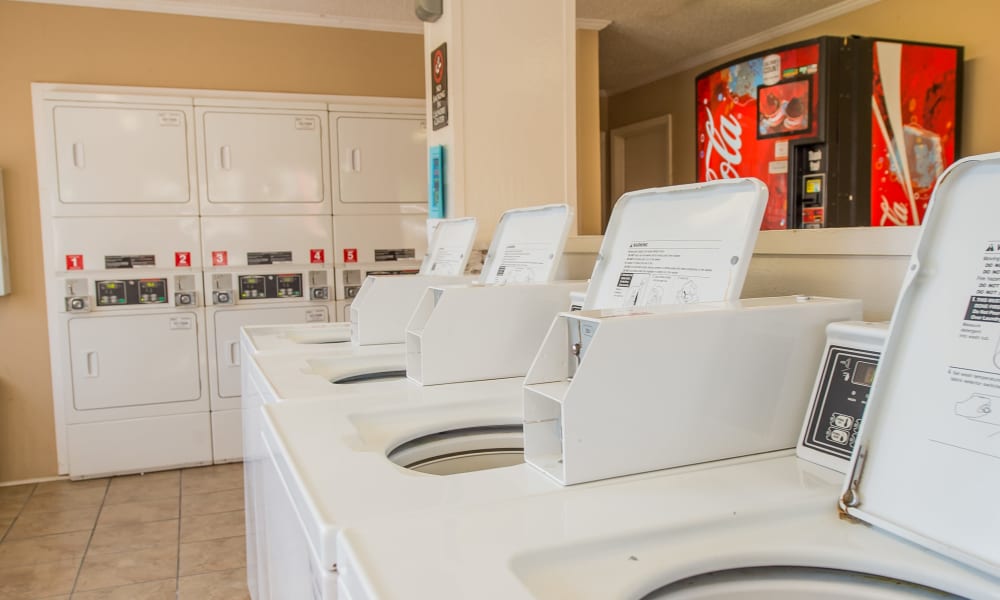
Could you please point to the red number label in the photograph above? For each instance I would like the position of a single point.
(317, 256)
(182, 259)
(220, 258)
(350, 255)
(74, 262)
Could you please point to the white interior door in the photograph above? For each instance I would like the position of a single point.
(263, 158)
(134, 360)
(641, 157)
(227, 337)
(110, 155)
(381, 160)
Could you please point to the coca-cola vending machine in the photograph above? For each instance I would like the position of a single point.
(845, 131)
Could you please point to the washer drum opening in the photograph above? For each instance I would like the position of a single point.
(462, 450)
(793, 583)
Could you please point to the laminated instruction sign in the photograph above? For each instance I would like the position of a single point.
(439, 87)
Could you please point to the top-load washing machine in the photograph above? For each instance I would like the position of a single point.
(382, 307)
(527, 244)
(461, 430)
(909, 520)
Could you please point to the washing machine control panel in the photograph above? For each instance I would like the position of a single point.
(842, 395)
(124, 292)
(261, 287)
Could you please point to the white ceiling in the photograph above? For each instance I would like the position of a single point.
(646, 40)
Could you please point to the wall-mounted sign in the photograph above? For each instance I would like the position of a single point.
(439, 87)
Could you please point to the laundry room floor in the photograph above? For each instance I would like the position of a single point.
(167, 535)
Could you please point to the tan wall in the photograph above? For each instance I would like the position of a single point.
(971, 24)
(588, 134)
(81, 45)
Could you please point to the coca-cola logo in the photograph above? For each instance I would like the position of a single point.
(724, 139)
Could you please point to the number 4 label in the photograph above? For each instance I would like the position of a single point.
(317, 256)
(74, 262)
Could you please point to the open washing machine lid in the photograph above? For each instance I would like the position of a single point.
(679, 244)
(927, 467)
(451, 244)
(527, 245)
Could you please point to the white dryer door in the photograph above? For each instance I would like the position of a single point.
(134, 360)
(261, 158)
(382, 160)
(108, 155)
(227, 337)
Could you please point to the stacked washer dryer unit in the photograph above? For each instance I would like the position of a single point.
(378, 163)
(266, 234)
(916, 510)
(119, 209)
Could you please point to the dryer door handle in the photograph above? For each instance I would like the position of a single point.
(93, 364)
(356, 160)
(233, 355)
(225, 157)
(79, 158)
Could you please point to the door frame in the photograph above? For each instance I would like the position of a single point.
(618, 137)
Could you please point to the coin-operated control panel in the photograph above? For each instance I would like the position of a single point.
(848, 378)
(841, 391)
(125, 292)
(260, 287)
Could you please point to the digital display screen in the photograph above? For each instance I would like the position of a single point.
(783, 108)
(289, 279)
(864, 373)
(814, 185)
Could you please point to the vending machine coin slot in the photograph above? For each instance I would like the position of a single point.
(808, 195)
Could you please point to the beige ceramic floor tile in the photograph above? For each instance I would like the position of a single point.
(138, 512)
(34, 524)
(38, 581)
(222, 585)
(16, 492)
(65, 486)
(140, 488)
(135, 536)
(110, 570)
(89, 497)
(47, 548)
(212, 555)
(214, 502)
(11, 508)
(213, 526)
(164, 589)
(212, 479)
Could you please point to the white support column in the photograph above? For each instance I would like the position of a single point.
(510, 140)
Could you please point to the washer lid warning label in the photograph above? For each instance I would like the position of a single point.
(983, 308)
(524, 262)
(657, 272)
